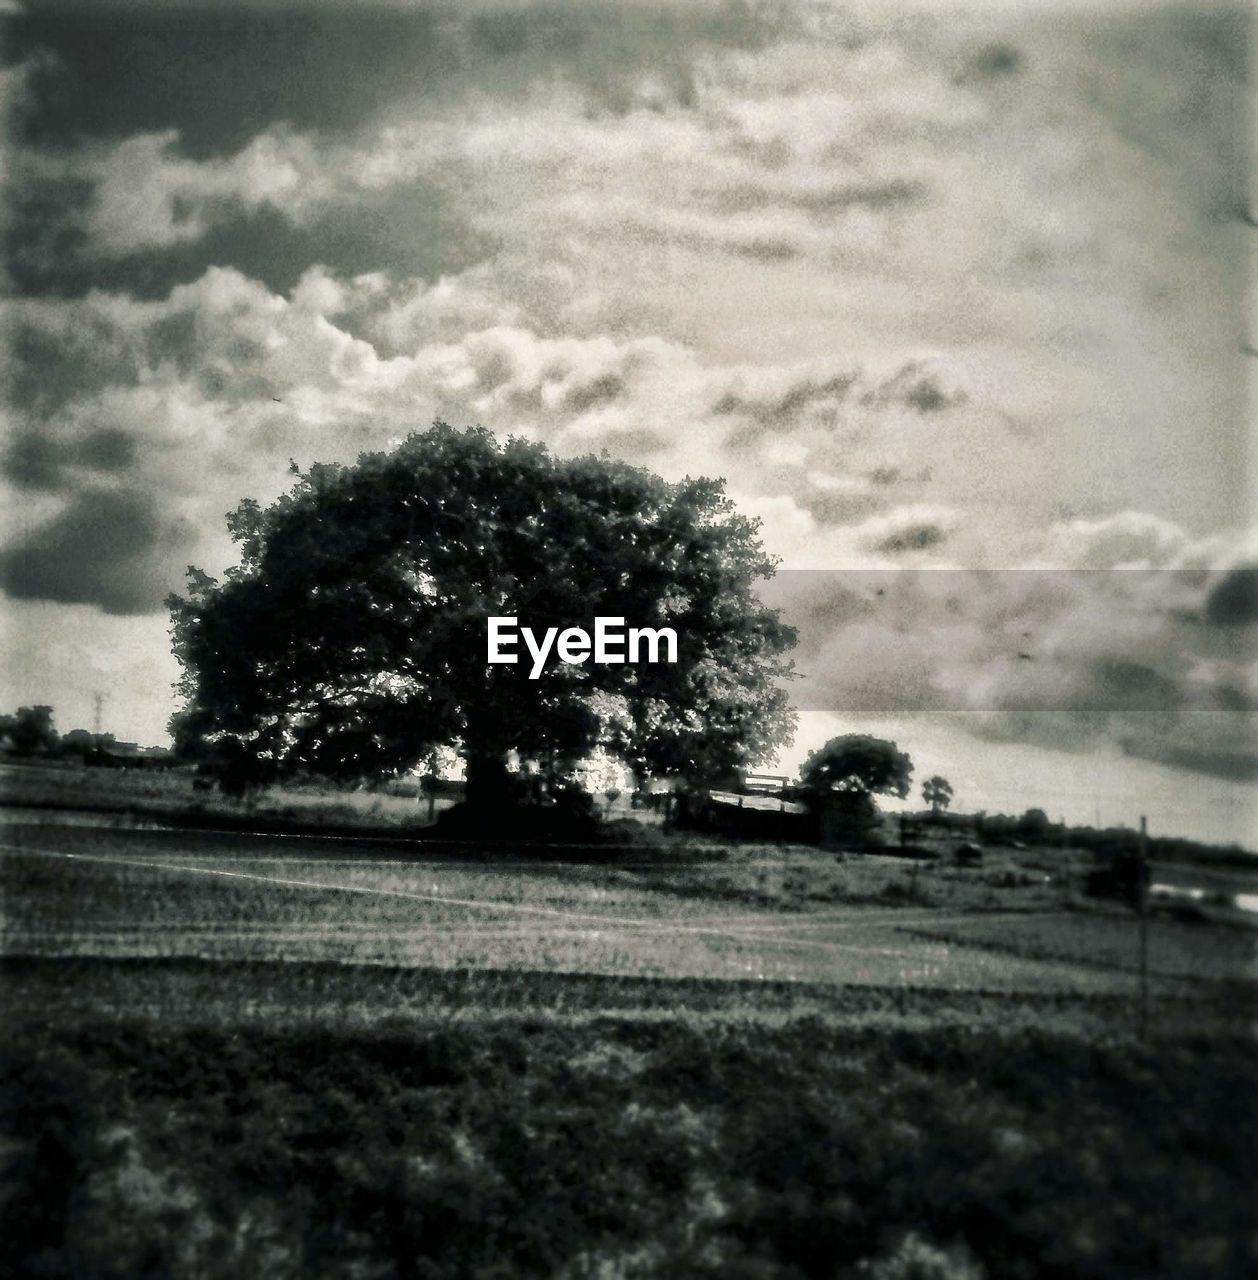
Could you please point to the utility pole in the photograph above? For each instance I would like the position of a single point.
(98, 701)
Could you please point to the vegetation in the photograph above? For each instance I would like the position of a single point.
(177, 796)
(937, 792)
(540, 1147)
(329, 1059)
(351, 640)
(30, 731)
(858, 763)
(840, 780)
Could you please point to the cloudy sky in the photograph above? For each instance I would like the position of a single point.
(954, 298)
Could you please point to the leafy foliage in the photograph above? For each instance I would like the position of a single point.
(856, 762)
(351, 639)
(937, 792)
(630, 1146)
(30, 731)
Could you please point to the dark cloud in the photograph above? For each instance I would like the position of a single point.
(1146, 713)
(787, 408)
(994, 61)
(409, 230)
(53, 359)
(914, 537)
(1199, 53)
(107, 548)
(32, 461)
(916, 386)
(222, 73)
(818, 601)
(36, 461)
(1233, 601)
(884, 194)
(107, 449)
(976, 645)
(44, 234)
(1234, 766)
(1123, 684)
(598, 391)
(766, 249)
(835, 507)
(216, 77)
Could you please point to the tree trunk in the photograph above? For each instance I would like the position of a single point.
(488, 781)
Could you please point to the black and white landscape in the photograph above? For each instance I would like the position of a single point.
(896, 357)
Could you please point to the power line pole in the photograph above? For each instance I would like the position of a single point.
(98, 700)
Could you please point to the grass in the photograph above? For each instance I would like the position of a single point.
(768, 915)
(240, 1056)
(248, 993)
(764, 914)
(1111, 942)
(624, 1148)
(170, 795)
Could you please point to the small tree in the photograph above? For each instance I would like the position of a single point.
(860, 763)
(840, 781)
(1033, 825)
(31, 731)
(937, 792)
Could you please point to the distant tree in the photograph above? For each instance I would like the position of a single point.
(31, 731)
(937, 792)
(84, 743)
(856, 762)
(351, 639)
(840, 780)
(1033, 824)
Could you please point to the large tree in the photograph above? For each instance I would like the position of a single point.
(351, 639)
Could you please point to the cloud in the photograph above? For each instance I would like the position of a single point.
(956, 293)
(836, 186)
(742, 153)
(1071, 659)
(1239, 766)
(107, 548)
(34, 461)
(147, 196)
(996, 60)
(908, 529)
(1127, 540)
(1233, 600)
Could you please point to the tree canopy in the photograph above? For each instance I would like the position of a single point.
(856, 762)
(937, 792)
(30, 731)
(350, 641)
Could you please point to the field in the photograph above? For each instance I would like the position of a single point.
(248, 1055)
(169, 794)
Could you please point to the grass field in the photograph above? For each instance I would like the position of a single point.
(249, 1056)
(161, 793)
